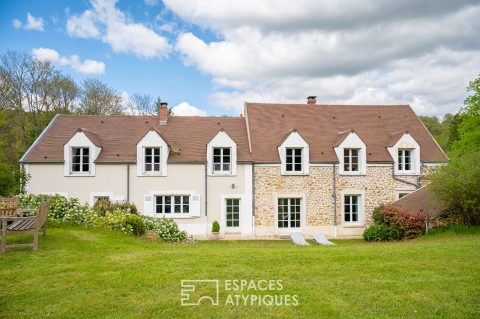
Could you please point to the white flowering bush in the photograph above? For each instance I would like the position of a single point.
(120, 217)
(166, 229)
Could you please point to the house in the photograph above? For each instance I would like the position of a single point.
(282, 168)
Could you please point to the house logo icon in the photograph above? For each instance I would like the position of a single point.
(193, 292)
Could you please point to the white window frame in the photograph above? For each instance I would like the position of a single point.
(303, 213)
(352, 141)
(81, 171)
(152, 139)
(172, 205)
(406, 142)
(401, 163)
(360, 205)
(152, 171)
(293, 158)
(80, 140)
(232, 229)
(295, 141)
(222, 163)
(403, 192)
(222, 140)
(350, 160)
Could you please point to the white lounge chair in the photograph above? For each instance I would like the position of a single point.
(321, 240)
(298, 239)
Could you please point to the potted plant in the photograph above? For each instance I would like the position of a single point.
(215, 230)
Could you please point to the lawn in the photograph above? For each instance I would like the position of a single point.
(84, 273)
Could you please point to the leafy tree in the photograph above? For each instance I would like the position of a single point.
(98, 98)
(469, 128)
(457, 185)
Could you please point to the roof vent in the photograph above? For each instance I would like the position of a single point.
(312, 100)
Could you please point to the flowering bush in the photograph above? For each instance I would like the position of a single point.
(398, 224)
(106, 215)
(166, 229)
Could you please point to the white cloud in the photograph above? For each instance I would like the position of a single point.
(33, 23)
(17, 24)
(113, 27)
(185, 109)
(282, 51)
(73, 61)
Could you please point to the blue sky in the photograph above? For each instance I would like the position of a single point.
(213, 55)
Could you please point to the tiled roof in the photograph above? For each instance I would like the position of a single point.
(321, 125)
(119, 135)
(421, 201)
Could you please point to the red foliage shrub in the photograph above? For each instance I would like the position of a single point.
(407, 224)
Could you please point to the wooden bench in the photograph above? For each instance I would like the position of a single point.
(23, 225)
(9, 206)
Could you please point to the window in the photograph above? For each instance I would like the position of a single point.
(350, 160)
(294, 160)
(350, 208)
(80, 160)
(152, 159)
(233, 212)
(172, 204)
(403, 194)
(221, 159)
(404, 160)
(289, 212)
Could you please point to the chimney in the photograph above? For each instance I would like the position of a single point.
(163, 113)
(312, 100)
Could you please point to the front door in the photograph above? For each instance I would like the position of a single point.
(232, 215)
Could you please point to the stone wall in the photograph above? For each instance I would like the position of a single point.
(378, 185)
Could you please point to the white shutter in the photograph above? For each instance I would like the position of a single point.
(148, 205)
(195, 205)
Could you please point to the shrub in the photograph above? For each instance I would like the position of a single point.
(215, 227)
(103, 206)
(138, 226)
(115, 220)
(379, 232)
(166, 229)
(391, 223)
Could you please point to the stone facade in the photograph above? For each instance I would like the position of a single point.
(378, 186)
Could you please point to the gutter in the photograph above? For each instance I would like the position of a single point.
(253, 200)
(128, 183)
(206, 199)
(417, 184)
(334, 198)
(22, 159)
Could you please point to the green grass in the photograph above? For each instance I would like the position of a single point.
(82, 273)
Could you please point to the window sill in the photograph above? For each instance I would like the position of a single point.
(175, 216)
(295, 174)
(345, 225)
(80, 175)
(406, 173)
(152, 175)
(352, 174)
(222, 174)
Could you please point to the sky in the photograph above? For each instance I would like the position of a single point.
(211, 56)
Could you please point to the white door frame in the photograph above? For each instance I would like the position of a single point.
(223, 218)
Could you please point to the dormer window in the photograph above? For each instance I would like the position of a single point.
(404, 159)
(222, 155)
(222, 159)
(350, 159)
(351, 153)
(293, 160)
(152, 159)
(80, 160)
(152, 155)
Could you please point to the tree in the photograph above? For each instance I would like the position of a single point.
(26, 86)
(469, 128)
(457, 186)
(99, 99)
(142, 104)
